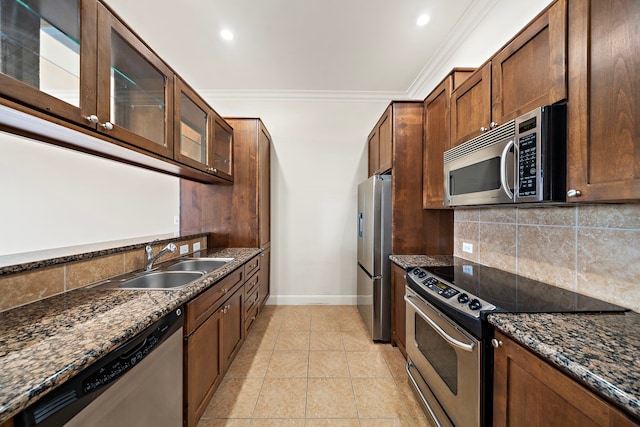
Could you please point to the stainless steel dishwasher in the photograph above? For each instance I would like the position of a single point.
(138, 384)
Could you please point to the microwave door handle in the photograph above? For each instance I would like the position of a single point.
(454, 342)
(503, 169)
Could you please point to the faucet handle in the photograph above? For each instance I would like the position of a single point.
(172, 247)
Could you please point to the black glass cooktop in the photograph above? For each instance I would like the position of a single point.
(518, 294)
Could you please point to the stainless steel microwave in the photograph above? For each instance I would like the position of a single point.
(521, 161)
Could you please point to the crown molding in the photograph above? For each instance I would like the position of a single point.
(438, 66)
(346, 96)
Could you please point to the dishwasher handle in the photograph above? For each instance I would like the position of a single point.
(67, 400)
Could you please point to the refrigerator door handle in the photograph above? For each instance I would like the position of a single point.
(360, 220)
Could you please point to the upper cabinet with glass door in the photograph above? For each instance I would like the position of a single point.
(222, 148)
(48, 56)
(135, 88)
(193, 127)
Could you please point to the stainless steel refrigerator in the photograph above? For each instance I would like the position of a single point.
(374, 246)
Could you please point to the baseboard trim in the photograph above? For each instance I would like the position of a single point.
(312, 300)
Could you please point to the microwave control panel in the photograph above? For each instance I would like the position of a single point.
(527, 165)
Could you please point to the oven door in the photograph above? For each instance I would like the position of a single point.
(447, 360)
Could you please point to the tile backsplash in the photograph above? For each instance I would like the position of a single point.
(33, 285)
(590, 249)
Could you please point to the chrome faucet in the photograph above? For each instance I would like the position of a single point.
(151, 258)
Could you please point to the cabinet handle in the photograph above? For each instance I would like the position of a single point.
(493, 125)
(92, 118)
(107, 125)
(225, 290)
(253, 317)
(574, 193)
(496, 343)
(483, 129)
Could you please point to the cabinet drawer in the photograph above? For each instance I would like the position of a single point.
(252, 300)
(252, 284)
(199, 309)
(252, 266)
(250, 317)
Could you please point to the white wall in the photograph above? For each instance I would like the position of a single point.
(318, 157)
(57, 202)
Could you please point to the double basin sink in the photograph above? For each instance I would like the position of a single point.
(177, 275)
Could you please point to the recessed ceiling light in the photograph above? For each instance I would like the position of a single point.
(226, 34)
(423, 20)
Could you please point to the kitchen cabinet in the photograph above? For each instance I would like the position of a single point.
(135, 88)
(222, 148)
(398, 308)
(242, 212)
(414, 230)
(213, 334)
(49, 56)
(530, 71)
(232, 327)
(530, 392)
(75, 65)
(380, 145)
(603, 145)
(192, 133)
(437, 137)
(249, 200)
(265, 264)
(203, 139)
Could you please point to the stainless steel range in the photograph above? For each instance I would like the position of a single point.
(449, 341)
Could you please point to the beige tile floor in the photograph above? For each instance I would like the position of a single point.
(313, 366)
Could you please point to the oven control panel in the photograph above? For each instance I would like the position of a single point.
(435, 287)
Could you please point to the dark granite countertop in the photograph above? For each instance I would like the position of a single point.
(407, 261)
(45, 343)
(601, 351)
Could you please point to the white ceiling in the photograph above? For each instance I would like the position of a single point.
(300, 45)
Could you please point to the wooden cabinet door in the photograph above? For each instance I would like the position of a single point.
(398, 308)
(374, 151)
(437, 140)
(530, 392)
(264, 186)
(265, 263)
(532, 69)
(437, 137)
(385, 132)
(604, 100)
(192, 133)
(135, 89)
(381, 144)
(471, 106)
(202, 367)
(61, 81)
(232, 327)
(222, 151)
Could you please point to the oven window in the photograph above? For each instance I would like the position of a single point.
(438, 352)
(481, 176)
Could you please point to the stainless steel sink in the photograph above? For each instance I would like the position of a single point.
(199, 264)
(162, 280)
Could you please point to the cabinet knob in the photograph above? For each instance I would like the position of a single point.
(493, 125)
(496, 343)
(107, 125)
(573, 193)
(92, 118)
(483, 129)
(212, 170)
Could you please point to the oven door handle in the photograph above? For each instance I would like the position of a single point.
(454, 342)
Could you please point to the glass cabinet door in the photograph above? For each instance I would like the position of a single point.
(222, 148)
(41, 42)
(192, 134)
(135, 89)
